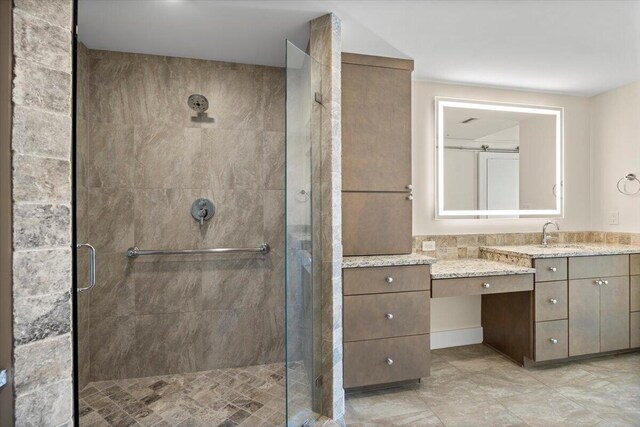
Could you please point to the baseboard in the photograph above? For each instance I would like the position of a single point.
(455, 338)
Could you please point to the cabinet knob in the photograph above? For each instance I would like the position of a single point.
(554, 269)
(553, 341)
(388, 279)
(553, 301)
(598, 282)
(486, 285)
(389, 316)
(410, 197)
(606, 282)
(409, 187)
(389, 361)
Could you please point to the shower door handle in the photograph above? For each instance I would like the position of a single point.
(92, 266)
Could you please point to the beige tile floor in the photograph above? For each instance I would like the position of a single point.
(475, 386)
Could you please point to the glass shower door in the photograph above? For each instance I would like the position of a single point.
(303, 259)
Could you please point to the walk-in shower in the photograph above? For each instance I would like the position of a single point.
(205, 307)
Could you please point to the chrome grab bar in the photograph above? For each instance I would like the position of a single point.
(92, 266)
(135, 252)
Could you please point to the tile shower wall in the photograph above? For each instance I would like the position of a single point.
(457, 246)
(147, 160)
(41, 142)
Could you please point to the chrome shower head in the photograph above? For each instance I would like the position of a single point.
(198, 103)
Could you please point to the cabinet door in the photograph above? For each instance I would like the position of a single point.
(584, 317)
(614, 314)
(376, 224)
(376, 128)
(634, 288)
(635, 329)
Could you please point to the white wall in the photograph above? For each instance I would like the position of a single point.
(615, 151)
(576, 114)
(462, 313)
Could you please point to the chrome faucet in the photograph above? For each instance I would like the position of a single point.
(545, 236)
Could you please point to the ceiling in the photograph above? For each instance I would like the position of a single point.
(571, 47)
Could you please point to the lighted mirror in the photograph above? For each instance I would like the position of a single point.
(498, 160)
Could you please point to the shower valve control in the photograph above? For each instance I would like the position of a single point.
(202, 210)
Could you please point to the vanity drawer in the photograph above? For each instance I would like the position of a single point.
(552, 340)
(635, 329)
(550, 269)
(551, 301)
(635, 294)
(635, 264)
(478, 285)
(367, 362)
(375, 280)
(598, 266)
(367, 316)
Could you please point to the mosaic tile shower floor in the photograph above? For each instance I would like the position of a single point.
(248, 396)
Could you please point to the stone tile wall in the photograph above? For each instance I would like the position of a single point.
(455, 246)
(145, 163)
(41, 150)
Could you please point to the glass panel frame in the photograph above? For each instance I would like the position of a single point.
(303, 263)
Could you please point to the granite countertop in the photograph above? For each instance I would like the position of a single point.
(386, 260)
(562, 250)
(476, 267)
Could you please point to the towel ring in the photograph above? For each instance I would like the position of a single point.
(302, 196)
(629, 177)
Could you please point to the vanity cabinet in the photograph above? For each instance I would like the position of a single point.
(386, 324)
(376, 155)
(598, 304)
(585, 305)
(634, 304)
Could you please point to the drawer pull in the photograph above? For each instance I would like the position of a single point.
(389, 361)
(486, 285)
(389, 316)
(553, 301)
(388, 279)
(553, 340)
(554, 269)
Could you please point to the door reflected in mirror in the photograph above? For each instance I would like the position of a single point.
(498, 160)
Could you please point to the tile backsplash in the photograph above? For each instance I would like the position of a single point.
(456, 246)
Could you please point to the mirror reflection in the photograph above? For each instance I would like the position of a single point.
(498, 160)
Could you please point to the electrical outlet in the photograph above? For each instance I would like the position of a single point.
(428, 245)
(613, 218)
